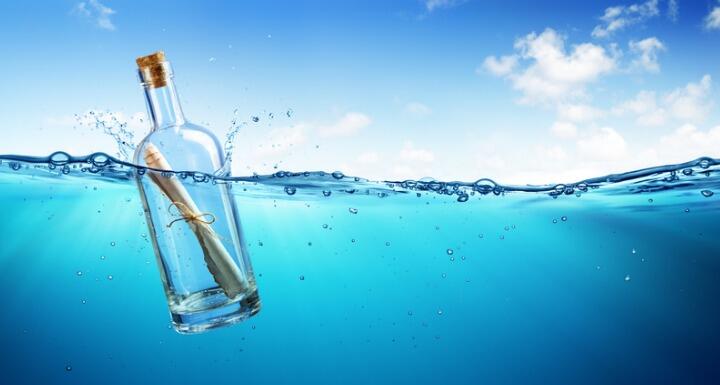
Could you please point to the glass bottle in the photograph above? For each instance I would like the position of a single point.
(192, 217)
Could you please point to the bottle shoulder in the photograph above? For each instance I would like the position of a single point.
(187, 147)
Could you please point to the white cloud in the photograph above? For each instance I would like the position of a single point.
(604, 145)
(619, 17)
(431, 5)
(554, 74)
(500, 67)
(410, 153)
(688, 142)
(691, 103)
(647, 51)
(370, 157)
(348, 124)
(417, 109)
(552, 153)
(564, 130)
(712, 20)
(578, 112)
(672, 10)
(96, 12)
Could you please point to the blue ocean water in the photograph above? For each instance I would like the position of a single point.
(612, 280)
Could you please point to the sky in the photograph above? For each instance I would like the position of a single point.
(525, 93)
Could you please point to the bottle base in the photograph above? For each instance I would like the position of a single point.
(211, 309)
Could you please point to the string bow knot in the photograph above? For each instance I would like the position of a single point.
(188, 215)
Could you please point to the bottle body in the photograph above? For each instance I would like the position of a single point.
(194, 222)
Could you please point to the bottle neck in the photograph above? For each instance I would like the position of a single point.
(164, 106)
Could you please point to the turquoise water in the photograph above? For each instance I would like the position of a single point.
(612, 280)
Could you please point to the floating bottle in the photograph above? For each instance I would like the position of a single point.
(193, 219)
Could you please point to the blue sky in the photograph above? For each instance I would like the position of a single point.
(525, 93)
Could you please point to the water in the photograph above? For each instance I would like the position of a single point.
(609, 280)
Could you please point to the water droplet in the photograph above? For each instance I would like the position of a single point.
(338, 175)
(353, 210)
(290, 190)
(704, 163)
(707, 193)
(302, 277)
(449, 251)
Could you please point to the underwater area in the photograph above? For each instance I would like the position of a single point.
(610, 280)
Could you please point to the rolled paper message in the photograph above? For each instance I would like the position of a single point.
(223, 268)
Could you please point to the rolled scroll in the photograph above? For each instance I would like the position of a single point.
(223, 268)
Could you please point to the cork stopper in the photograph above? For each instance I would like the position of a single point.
(154, 69)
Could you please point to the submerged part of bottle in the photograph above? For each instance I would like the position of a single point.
(196, 231)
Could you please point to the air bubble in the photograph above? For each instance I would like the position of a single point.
(289, 190)
(707, 193)
(302, 277)
(110, 277)
(326, 193)
(463, 198)
(563, 218)
(338, 175)
(353, 210)
(59, 158)
(627, 278)
(449, 251)
(79, 273)
(99, 159)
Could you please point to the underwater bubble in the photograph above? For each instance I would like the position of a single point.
(650, 200)
(112, 243)
(705, 163)
(507, 228)
(439, 312)
(554, 220)
(410, 313)
(260, 243)
(463, 198)
(443, 275)
(338, 175)
(707, 193)
(687, 210)
(481, 236)
(289, 190)
(302, 277)
(462, 257)
(68, 368)
(79, 273)
(452, 259)
(110, 277)
(449, 251)
(326, 193)
(15, 165)
(83, 301)
(325, 226)
(141, 170)
(563, 218)
(212, 60)
(255, 119)
(387, 243)
(687, 171)
(627, 277)
(634, 251)
(352, 240)
(102, 257)
(353, 210)
(59, 158)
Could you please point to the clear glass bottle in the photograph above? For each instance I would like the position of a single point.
(193, 220)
